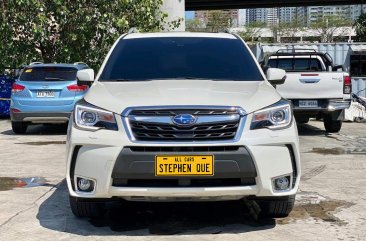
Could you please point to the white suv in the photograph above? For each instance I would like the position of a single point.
(182, 117)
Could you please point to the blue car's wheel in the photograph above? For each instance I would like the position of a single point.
(19, 127)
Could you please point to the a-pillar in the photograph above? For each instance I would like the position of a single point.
(175, 10)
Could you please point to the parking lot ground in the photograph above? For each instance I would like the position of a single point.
(331, 204)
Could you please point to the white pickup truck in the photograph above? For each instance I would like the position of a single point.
(314, 85)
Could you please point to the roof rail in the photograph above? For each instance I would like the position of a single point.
(80, 63)
(295, 50)
(133, 30)
(227, 30)
(35, 63)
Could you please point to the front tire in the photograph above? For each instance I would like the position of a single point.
(332, 126)
(277, 207)
(86, 209)
(19, 127)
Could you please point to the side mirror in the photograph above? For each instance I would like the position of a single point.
(338, 67)
(276, 76)
(85, 77)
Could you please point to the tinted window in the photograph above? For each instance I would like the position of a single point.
(48, 74)
(285, 64)
(358, 65)
(301, 64)
(296, 64)
(177, 57)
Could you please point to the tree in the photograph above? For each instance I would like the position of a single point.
(290, 29)
(328, 26)
(218, 21)
(360, 26)
(193, 25)
(252, 30)
(70, 31)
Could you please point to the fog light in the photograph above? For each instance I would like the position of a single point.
(282, 183)
(85, 185)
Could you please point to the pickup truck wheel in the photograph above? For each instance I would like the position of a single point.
(277, 207)
(19, 127)
(86, 209)
(332, 126)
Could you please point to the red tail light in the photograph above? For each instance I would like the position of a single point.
(15, 110)
(78, 88)
(347, 85)
(17, 88)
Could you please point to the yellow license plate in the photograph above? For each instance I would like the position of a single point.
(197, 165)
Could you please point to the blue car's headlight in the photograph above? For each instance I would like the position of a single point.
(277, 116)
(92, 118)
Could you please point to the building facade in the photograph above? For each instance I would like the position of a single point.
(206, 16)
(269, 16)
(306, 15)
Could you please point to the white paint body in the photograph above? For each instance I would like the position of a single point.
(100, 149)
(312, 85)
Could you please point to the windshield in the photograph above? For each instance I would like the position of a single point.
(182, 58)
(48, 74)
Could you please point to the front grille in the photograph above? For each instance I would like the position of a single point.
(218, 124)
(197, 182)
(173, 112)
(201, 149)
(155, 131)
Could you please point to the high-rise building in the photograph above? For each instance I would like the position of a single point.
(206, 16)
(357, 10)
(304, 15)
(313, 13)
(287, 14)
(268, 16)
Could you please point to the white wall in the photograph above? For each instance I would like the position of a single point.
(175, 10)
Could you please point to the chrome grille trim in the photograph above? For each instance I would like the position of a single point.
(214, 124)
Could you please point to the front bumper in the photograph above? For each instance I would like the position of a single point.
(324, 105)
(44, 117)
(102, 157)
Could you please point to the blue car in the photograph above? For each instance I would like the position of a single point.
(45, 93)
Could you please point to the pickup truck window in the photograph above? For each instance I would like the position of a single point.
(296, 64)
(358, 65)
(181, 58)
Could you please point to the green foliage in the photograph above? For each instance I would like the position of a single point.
(218, 21)
(360, 26)
(70, 31)
(251, 31)
(193, 25)
(328, 26)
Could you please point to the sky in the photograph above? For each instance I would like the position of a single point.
(189, 15)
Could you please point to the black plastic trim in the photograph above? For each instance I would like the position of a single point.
(293, 163)
(72, 165)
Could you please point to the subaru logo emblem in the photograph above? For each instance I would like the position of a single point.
(184, 120)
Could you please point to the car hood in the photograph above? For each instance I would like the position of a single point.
(117, 96)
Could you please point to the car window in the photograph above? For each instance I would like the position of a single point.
(48, 74)
(301, 64)
(285, 64)
(295, 64)
(181, 57)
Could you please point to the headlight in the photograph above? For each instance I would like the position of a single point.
(277, 116)
(93, 118)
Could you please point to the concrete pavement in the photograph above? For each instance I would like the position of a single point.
(331, 204)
